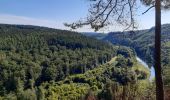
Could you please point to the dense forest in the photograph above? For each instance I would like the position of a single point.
(38, 63)
(142, 42)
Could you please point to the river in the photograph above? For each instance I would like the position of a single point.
(152, 71)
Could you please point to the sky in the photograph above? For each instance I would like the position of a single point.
(53, 13)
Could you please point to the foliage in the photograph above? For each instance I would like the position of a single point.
(38, 63)
(142, 42)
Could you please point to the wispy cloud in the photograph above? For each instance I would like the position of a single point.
(144, 22)
(12, 19)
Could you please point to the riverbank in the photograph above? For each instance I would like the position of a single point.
(152, 71)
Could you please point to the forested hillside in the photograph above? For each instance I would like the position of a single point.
(38, 63)
(142, 42)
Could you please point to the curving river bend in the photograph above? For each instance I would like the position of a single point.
(152, 71)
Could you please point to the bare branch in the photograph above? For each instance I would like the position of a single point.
(107, 15)
(148, 9)
(131, 17)
(103, 12)
(121, 11)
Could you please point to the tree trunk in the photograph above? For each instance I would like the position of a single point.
(157, 65)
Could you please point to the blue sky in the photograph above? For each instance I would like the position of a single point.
(53, 13)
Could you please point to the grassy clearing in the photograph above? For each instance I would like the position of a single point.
(112, 60)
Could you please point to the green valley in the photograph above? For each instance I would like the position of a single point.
(39, 63)
(142, 41)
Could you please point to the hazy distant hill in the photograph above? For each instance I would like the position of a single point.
(142, 41)
(95, 35)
